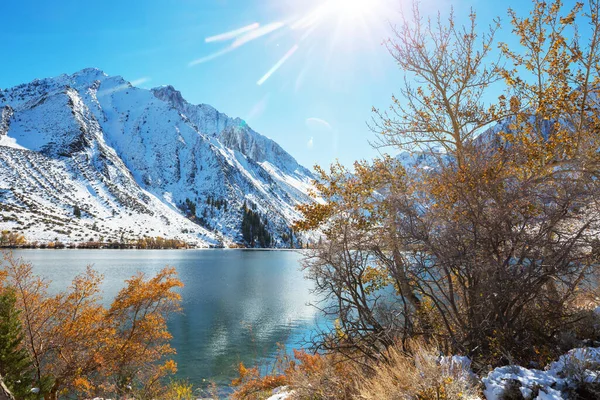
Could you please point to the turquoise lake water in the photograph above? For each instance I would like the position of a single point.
(238, 305)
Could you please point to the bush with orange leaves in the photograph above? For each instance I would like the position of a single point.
(251, 385)
(329, 376)
(89, 350)
(313, 376)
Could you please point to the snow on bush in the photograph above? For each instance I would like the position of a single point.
(281, 393)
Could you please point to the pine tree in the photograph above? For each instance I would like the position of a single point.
(254, 230)
(15, 364)
(190, 208)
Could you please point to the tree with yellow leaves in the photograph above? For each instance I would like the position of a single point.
(84, 349)
(11, 239)
(484, 245)
(352, 265)
(140, 339)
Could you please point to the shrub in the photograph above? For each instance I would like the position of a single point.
(251, 385)
(180, 390)
(309, 376)
(422, 375)
(323, 377)
(484, 241)
(418, 373)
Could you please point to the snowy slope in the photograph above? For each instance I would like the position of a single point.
(131, 158)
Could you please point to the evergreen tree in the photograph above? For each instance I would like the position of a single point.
(254, 229)
(189, 208)
(15, 364)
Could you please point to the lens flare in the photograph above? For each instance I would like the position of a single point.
(232, 34)
(277, 65)
(257, 33)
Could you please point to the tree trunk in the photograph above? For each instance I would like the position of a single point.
(4, 392)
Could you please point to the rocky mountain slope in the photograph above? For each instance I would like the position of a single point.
(136, 162)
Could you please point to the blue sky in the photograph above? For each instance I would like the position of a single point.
(316, 105)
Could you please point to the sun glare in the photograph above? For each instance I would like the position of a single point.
(351, 9)
(337, 23)
(341, 12)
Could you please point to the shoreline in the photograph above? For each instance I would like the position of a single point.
(136, 249)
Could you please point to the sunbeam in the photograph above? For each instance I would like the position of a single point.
(277, 65)
(232, 34)
(257, 33)
(241, 36)
(211, 56)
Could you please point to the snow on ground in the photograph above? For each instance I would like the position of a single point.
(42, 205)
(578, 365)
(10, 142)
(281, 393)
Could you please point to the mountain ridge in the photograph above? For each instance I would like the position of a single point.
(132, 156)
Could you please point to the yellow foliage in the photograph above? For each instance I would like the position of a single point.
(87, 348)
(345, 199)
(180, 390)
(159, 243)
(11, 239)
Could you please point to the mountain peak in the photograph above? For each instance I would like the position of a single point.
(91, 73)
(83, 78)
(169, 94)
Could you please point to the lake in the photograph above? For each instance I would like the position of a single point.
(238, 305)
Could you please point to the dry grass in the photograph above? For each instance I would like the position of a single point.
(419, 376)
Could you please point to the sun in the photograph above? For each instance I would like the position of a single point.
(348, 24)
(347, 11)
(351, 9)
(342, 19)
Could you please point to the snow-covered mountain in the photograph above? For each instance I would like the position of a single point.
(136, 162)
